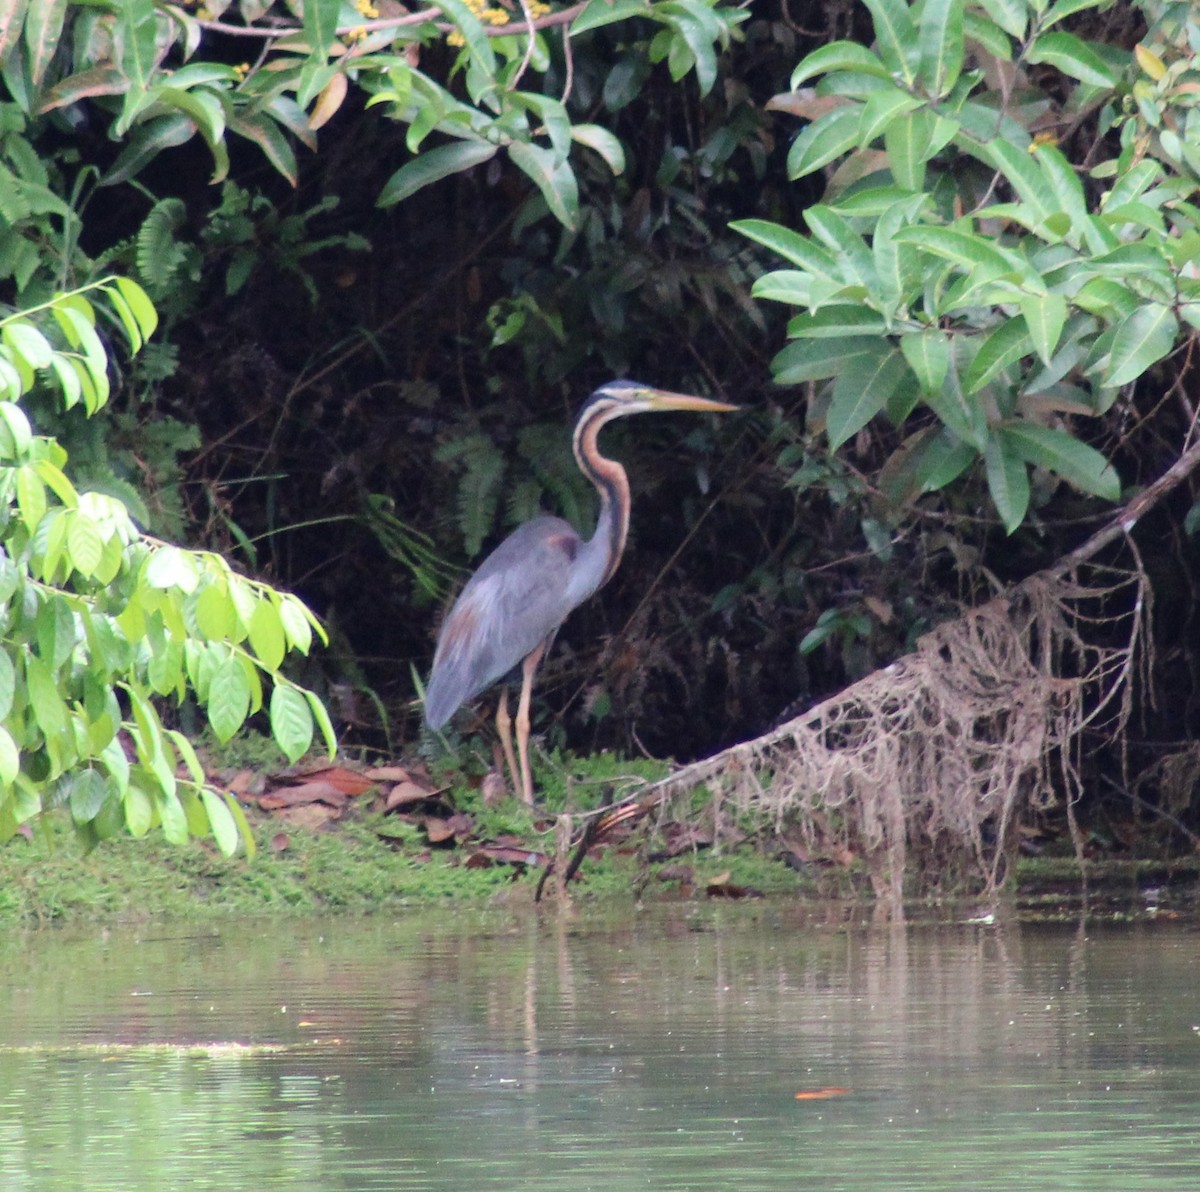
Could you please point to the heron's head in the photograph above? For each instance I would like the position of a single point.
(618, 398)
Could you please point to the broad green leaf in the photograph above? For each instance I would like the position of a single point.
(816, 359)
(469, 25)
(881, 108)
(824, 139)
(1142, 339)
(31, 496)
(293, 616)
(554, 178)
(837, 322)
(601, 12)
(944, 459)
(844, 242)
(1011, 15)
(1022, 173)
(85, 548)
(966, 249)
(172, 817)
(1001, 348)
(10, 757)
(170, 567)
(839, 56)
(861, 391)
(266, 133)
(139, 810)
(291, 721)
(320, 24)
(8, 684)
(791, 245)
(243, 826)
(187, 755)
(17, 425)
(1045, 315)
(221, 821)
(433, 165)
(89, 791)
(603, 142)
(941, 42)
(957, 412)
(1073, 56)
(1008, 480)
(266, 635)
(1066, 456)
(43, 33)
(12, 18)
(896, 35)
(928, 355)
(321, 716)
(28, 343)
(228, 699)
(906, 142)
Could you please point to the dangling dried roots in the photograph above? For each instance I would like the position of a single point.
(928, 765)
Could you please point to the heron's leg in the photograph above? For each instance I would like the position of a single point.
(504, 728)
(528, 669)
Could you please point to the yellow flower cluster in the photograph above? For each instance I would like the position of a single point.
(367, 9)
(491, 15)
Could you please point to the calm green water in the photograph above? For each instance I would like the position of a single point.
(523, 1052)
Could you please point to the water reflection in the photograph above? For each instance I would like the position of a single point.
(660, 1050)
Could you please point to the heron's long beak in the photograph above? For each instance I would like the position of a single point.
(662, 399)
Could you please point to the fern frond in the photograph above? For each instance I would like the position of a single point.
(159, 255)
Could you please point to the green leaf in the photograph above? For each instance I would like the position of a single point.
(1011, 15)
(294, 617)
(896, 35)
(10, 757)
(1045, 315)
(266, 635)
(941, 41)
(221, 821)
(432, 166)
(228, 699)
(1142, 338)
(791, 245)
(839, 56)
(29, 344)
(928, 355)
(43, 32)
(1068, 457)
(1008, 480)
(552, 176)
(1001, 348)
(603, 142)
(291, 721)
(8, 684)
(882, 107)
(861, 391)
(828, 137)
(85, 547)
(321, 716)
(944, 459)
(139, 811)
(1073, 57)
(173, 818)
(239, 818)
(320, 24)
(965, 249)
(816, 359)
(906, 142)
(31, 496)
(601, 12)
(1017, 165)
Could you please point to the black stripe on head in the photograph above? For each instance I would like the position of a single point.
(612, 391)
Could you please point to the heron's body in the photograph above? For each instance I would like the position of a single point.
(511, 608)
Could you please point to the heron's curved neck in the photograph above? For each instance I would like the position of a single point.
(612, 526)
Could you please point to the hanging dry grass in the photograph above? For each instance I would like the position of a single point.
(928, 764)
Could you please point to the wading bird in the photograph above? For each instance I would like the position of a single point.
(511, 608)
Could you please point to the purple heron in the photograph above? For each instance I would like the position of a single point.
(511, 608)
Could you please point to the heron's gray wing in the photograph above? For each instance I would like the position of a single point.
(516, 600)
